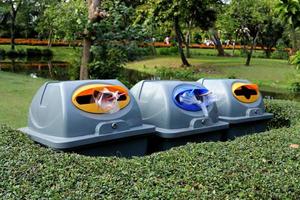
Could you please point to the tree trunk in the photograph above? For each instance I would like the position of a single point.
(234, 43)
(13, 27)
(50, 68)
(188, 40)
(249, 54)
(294, 39)
(268, 52)
(86, 55)
(93, 15)
(179, 40)
(50, 39)
(217, 43)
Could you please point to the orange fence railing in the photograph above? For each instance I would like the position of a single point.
(37, 42)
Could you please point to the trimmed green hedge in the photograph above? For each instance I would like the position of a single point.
(260, 166)
(286, 113)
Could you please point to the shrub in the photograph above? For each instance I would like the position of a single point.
(21, 53)
(295, 87)
(2, 53)
(280, 54)
(175, 73)
(168, 51)
(33, 52)
(47, 53)
(108, 61)
(12, 54)
(198, 38)
(232, 76)
(295, 59)
(260, 166)
(286, 113)
(136, 53)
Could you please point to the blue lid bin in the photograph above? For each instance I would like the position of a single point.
(240, 104)
(181, 111)
(93, 117)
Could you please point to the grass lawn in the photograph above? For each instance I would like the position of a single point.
(268, 73)
(17, 91)
(273, 73)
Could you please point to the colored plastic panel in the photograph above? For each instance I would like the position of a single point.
(84, 97)
(189, 93)
(245, 92)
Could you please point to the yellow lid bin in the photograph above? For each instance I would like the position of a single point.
(240, 104)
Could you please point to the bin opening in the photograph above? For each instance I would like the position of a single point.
(97, 98)
(246, 93)
(87, 99)
(193, 99)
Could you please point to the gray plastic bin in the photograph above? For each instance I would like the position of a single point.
(240, 104)
(66, 116)
(176, 123)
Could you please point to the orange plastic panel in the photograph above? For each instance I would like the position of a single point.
(245, 92)
(83, 98)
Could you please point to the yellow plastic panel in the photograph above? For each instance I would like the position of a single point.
(245, 92)
(83, 98)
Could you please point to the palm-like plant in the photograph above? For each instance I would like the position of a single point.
(289, 13)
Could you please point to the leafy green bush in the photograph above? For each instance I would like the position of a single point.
(295, 59)
(115, 40)
(232, 76)
(286, 113)
(197, 38)
(169, 51)
(34, 52)
(260, 166)
(12, 54)
(2, 53)
(134, 52)
(176, 73)
(108, 61)
(295, 86)
(280, 54)
(47, 53)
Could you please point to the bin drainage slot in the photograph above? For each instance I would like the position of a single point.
(246, 92)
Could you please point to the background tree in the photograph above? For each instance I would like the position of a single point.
(94, 15)
(214, 31)
(63, 20)
(248, 17)
(289, 13)
(115, 40)
(12, 7)
(271, 32)
(200, 13)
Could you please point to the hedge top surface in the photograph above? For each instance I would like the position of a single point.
(254, 167)
(261, 166)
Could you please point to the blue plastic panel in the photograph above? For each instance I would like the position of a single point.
(190, 92)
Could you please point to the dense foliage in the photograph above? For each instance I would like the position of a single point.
(286, 113)
(115, 40)
(260, 166)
